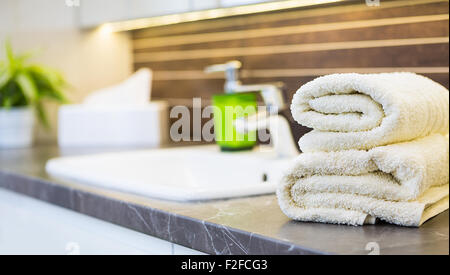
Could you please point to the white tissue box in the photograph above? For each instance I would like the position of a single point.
(81, 125)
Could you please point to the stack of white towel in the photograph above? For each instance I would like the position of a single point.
(379, 150)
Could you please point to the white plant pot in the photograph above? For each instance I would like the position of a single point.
(16, 127)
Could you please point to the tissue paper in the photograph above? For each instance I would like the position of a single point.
(134, 91)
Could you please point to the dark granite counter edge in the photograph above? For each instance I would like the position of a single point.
(200, 235)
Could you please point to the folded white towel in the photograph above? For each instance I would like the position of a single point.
(404, 183)
(362, 111)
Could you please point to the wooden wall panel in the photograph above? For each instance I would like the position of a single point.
(424, 29)
(434, 55)
(295, 46)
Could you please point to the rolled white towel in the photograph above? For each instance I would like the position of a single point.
(404, 184)
(362, 111)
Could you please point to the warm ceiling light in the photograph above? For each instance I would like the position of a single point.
(105, 29)
(210, 14)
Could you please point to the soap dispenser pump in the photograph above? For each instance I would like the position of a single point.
(231, 70)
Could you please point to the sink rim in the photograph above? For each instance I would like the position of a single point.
(58, 168)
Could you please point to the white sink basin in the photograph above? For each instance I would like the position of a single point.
(189, 173)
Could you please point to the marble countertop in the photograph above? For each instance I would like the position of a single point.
(252, 225)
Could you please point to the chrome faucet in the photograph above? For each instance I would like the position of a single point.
(272, 95)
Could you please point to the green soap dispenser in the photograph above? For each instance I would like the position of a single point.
(230, 106)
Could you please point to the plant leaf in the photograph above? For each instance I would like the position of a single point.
(27, 86)
(11, 62)
(41, 115)
(7, 103)
(9, 52)
(5, 77)
(50, 82)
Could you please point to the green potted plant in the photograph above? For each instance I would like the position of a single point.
(23, 88)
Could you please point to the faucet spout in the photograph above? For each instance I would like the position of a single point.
(279, 128)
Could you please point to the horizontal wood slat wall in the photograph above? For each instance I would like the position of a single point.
(296, 46)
